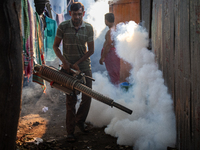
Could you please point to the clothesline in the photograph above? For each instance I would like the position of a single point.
(67, 6)
(63, 10)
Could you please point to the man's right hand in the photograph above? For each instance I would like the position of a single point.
(66, 66)
(101, 61)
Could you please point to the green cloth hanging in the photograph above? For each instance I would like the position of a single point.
(49, 36)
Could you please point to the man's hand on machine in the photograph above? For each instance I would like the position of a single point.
(66, 66)
(70, 69)
(75, 67)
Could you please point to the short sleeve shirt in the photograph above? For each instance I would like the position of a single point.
(75, 42)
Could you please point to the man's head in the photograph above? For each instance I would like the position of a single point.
(77, 12)
(109, 18)
(76, 6)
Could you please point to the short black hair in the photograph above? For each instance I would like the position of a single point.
(110, 17)
(76, 6)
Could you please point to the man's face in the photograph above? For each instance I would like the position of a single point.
(77, 16)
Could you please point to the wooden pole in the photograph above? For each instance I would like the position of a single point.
(11, 73)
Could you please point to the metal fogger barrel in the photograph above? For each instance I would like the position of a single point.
(68, 84)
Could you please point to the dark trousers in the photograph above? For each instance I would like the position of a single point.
(72, 117)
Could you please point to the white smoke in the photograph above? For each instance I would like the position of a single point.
(151, 126)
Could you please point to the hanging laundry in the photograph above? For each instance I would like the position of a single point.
(46, 12)
(31, 39)
(49, 36)
(22, 17)
(59, 18)
(39, 50)
(39, 53)
(26, 38)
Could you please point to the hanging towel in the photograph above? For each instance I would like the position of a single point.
(49, 36)
(59, 18)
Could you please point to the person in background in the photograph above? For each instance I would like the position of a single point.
(77, 35)
(108, 53)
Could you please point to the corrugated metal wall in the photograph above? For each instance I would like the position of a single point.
(174, 27)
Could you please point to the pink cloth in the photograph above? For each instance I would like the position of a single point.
(112, 62)
(29, 44)
(59, 18)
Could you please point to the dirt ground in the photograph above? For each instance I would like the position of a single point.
(39, 130)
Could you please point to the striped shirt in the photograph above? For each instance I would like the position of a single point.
(75, 42)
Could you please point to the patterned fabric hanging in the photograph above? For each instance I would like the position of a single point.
(26, 39)
(31, 40)
(39, 51)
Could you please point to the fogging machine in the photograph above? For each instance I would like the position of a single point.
(71, 84)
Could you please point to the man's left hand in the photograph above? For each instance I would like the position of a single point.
(75, 67)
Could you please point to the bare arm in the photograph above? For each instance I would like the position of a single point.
(66, 64)
(107, 46)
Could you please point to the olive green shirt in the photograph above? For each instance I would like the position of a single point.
(75, 42)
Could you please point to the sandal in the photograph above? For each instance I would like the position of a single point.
(71, 138)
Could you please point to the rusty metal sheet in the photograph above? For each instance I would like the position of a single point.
(123, 1)
(134, 11)
(117, 11)
(126, 11)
